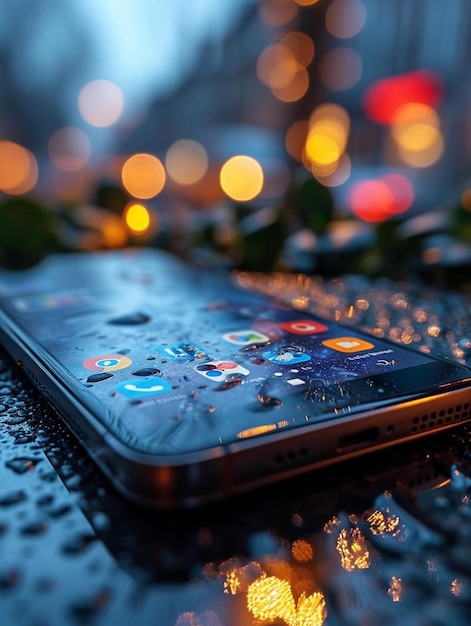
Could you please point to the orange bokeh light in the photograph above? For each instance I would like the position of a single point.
(18, 169)
(143, 176)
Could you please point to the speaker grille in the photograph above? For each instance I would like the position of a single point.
(443, 417)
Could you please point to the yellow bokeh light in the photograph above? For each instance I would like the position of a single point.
(143, 176)
(329, 127)
(416, 131)
(186, 162)
(306, 3)
(69, 149)
(269, 598)
(241, 178)
(101, 103)
(137, 217)
(18, 169)
(321, 148)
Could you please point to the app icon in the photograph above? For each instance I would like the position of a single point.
(286, 356)
(304, 327)
(220, 370)
(182, 351)
(107, 363)
(144, 387)
(348, 344)
(245, 337)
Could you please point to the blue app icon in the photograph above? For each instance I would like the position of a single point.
(144, 387)
(286, 356)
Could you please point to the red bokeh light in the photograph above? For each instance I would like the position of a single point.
(375, 200)
(384, 98)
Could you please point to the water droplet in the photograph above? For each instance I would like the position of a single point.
(21, 465)
(96, 378)
(146, 371)
(130, 319)
(14, 497)
(34, 528)
(230, 383)
(24, 439)
(78, 544)
(9, 579)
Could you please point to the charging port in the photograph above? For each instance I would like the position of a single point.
(358, 439)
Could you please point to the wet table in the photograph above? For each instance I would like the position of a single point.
(382, 540)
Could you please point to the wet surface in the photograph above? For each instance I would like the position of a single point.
(382, 540)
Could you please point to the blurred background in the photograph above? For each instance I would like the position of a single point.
(299, 135)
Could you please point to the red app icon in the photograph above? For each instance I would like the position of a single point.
(304, 327)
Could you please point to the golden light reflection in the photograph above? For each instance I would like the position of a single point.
(345, 18)
(241, 178)
(396, 589)
(18, 169)
(186, 162)
(69, 149)
(353, 550)
(270, 598)
(382, 524)
(101, 103)
(302, 551)
(143, 176)
(137, 217)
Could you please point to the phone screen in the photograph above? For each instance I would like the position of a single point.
(181, 360)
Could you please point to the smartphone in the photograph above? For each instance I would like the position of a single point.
(185, 388)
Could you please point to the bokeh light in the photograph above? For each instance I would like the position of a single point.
(69, 149)
(375, 200)
(329, 127)
(385, 97)
(143, 176)
(277, 65)
(242, 178)
(277, 12)
(296, 138)
(416, 130)
(18, 169)
(137, 217)
(101, 103)
(345, 18)
(301, 46)
(340, 69)
(186, 162)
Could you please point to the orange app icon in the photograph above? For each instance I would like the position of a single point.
(348, 344)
